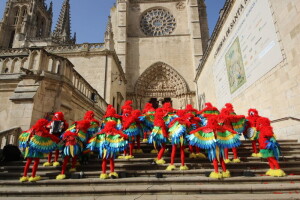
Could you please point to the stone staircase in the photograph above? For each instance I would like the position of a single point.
(139, 179)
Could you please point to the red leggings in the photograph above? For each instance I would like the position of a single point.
(112, 165)
(138, 141)
(254, 146)
(273, 163)
(234, 150)
(34, 168)
(215, 163)
(174, 153)
(55, 158)
(66, 161)
(131, 145)
(192, 149)
(161, 151)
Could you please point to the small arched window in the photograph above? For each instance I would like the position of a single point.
(17, 14)
(24, 13)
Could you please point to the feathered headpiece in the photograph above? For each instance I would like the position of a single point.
(229, 106)
(253, 113)
(127, 107)
(83, 125)
(189, 108)
(40, 125)
(167, 107)
(180, 113)
(89, 115)
(58, 116)
(111, 112)
(148, 107)
(209, 110)
(110, 128)
(264, 127)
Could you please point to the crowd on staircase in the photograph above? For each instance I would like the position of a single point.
(209, 130)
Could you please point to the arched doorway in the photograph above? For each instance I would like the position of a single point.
(161, 83)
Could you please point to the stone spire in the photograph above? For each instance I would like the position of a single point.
(62, 30)
(108, 37)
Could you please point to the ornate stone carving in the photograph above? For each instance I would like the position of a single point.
(161, 80)
(180, 5)
(157, 22)
(135, 7)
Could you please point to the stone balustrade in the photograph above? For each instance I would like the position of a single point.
(38, 61)
(76, 47)
(9, 136)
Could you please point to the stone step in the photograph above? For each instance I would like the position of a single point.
(95, 160)
(148, 189)
(147, 149)
(199, 180)
(273, 195)
(235, 172)
(152, 166)
(245, 155)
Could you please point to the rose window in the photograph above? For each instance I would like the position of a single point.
(157, 22)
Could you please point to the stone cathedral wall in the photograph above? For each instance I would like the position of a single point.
(253, 61)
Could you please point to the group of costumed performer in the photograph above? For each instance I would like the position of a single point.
(208, 129)
(35, 142)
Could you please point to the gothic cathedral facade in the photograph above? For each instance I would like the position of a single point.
(159, 44)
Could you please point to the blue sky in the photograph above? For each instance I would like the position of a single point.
(89, 17)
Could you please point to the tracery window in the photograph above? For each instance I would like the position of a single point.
(157, 22)
(24, 13)
(17, 14)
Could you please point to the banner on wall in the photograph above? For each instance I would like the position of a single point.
(248, 50)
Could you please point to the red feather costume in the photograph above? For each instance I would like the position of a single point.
(269, 148)
(74, 139)
(131, 127)
(178, 129)
(159, 134)
(36, 141)
(251, 132)
(227, 117)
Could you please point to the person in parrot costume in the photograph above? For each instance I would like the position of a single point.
(74, 139)
(214, 139)
(159, 135)
(178, 129)
(195, 122)
(251, 132)
(269, 148)
(147, 120)
(59, 117)
(132, 129)
(36, 142)
(108, 143)
(230, 120)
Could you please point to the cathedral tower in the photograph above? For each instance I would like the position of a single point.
(160, 43)
(62, 32)
(23, 20)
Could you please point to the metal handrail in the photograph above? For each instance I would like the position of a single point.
(285, 118)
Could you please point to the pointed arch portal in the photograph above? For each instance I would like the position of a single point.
(161, 81)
